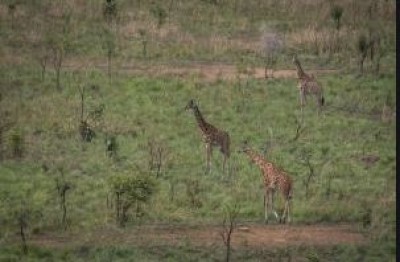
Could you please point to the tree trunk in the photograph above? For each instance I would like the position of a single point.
(22, 225)
(109, 65)
(228, 248)
(58, 78)
(64, 210)
(117, 207)
(43, 73)
(362, 65)
(265, 72)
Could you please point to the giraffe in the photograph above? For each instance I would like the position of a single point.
(211, 135)
(274, 179)
(308, 85)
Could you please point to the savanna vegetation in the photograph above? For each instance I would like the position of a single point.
(94, 136)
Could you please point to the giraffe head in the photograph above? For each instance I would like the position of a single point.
(190, 105)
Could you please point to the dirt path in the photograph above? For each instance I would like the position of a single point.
(253, 236)
(205, 71)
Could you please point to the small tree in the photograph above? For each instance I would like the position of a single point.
(157, 155)
(62, 187)
(17, 144)
(85, 131)
(336, 15)
(362, 47)
(300, 128)
(58, 56)
(110, 49)
(11, 11)
(21, 211)
(110, 11)
(193, 190)
(306, 160)
(111, 146)
(376, 50)
(58, 41)
(5, 125)
(43, 57)
(22, 216)
(130, 190)
(159, 13)
(272, 44)
(311, 171)
(143, 38)
(229, 224)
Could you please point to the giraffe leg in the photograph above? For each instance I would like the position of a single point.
(208, 157)
(224, 163)
(320, 102)
(272, 205)
(285, 211)
(302, 99)
(266, 205)
(288, 210)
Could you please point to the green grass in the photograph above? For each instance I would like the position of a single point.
(138, 109)
(144, 108)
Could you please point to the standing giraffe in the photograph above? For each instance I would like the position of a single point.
(212, 136)
(274, 179)
(307, 85)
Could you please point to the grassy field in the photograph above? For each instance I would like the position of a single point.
(350, 145)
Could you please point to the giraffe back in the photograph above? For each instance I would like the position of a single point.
(216, 137)
(275, 178)
(312, 87)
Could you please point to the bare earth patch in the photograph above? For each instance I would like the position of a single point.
(205, 71)
(249, 236)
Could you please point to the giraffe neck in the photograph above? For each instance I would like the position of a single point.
(200, 119)
(256, 158)
(300, 72)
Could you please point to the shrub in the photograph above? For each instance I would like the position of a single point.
(336, 15)
(17, 144)
(129, 190)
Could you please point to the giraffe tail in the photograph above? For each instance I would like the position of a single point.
(322, 100)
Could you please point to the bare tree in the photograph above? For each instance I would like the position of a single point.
(111, 146)
(86, 132)
(5, 125)
(362, 47)
(336, 15)
(312, 167)
(193, 189)
(272, 44)
(58, 40)
(143, 39)
(229, 224)
(299, 129)
(110, 11)
(23, 224)
(43, 58)
(58, 56)
(157, 155)
(62, 188)
(11, 11)
(109, 46)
